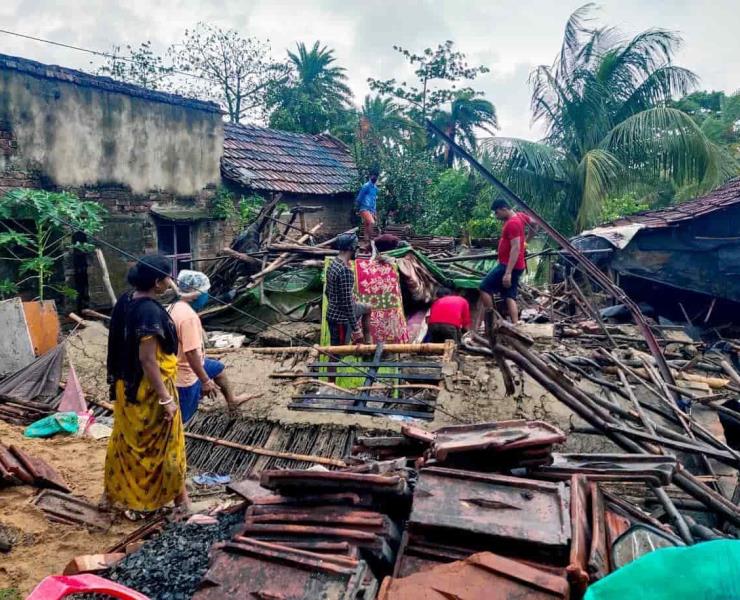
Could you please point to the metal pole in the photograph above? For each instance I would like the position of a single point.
(589, 267)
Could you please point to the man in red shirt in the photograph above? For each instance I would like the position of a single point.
(449, 316)
(504, 278)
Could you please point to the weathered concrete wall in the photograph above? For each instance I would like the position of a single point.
(77, 136)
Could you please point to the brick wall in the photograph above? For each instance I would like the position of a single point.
(129, 225)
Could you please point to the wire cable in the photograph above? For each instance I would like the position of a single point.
(167, 70)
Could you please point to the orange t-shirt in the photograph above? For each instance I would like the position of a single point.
(190, 337)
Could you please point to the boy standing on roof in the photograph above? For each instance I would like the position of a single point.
(366, 203)
(504, 278)
(345, 317)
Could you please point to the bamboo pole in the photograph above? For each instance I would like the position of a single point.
(359, 349)
(320, 460)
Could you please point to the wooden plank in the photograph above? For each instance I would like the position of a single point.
(407, 376)
(366, 410)
(385, 400)
(42, 321)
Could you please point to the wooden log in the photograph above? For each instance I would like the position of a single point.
(319, 460)
(77, 319)
(359, 349)
(106, 276)
(313, 250)
(94, 314)
(241, 256)
(284, 257)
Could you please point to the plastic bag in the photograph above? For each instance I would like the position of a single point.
(706, 571)
(65, 422)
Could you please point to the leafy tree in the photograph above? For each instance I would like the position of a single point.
(140, 66)
(37, 233)
(717, 114)
(437, 72)
(467, 114)
(315, 96)
(232, 70)
(605, 103)
(621, 206)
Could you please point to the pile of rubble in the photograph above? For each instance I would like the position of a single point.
(487, 510)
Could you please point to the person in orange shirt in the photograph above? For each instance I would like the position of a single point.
(197, 376)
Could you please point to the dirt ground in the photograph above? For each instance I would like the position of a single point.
(41, 547)
(472, 391)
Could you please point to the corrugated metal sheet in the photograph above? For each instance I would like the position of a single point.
(280, 161)
(722, 197)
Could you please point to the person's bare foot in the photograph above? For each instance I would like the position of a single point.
(242, 398)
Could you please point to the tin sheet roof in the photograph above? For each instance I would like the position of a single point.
(279, 161)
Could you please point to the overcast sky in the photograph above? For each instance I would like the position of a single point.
(509, 36)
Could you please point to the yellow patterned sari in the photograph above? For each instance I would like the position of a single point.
(145, 464)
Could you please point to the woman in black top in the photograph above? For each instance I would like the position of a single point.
(145, 463)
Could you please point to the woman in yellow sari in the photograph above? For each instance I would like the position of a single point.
(145, 463)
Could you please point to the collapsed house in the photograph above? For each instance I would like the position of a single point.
(687, 253)
(299, 169)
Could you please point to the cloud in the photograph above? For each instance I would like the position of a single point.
(509, 36)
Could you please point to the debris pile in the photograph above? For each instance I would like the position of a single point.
(489, 504)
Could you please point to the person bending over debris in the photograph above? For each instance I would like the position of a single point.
(366, 203)
(504, 277)
(346, 318)
(449, 316)
(388, 241)
(145, 462)
(197, 376)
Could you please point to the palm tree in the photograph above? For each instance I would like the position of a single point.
(467, 114)
(605, 105)
(382, 122)
(318, 77)
(315, 96)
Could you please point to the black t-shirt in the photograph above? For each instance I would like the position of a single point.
(131, 320)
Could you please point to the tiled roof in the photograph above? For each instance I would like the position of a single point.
(279, 161)
(722, 197)
(37, 69)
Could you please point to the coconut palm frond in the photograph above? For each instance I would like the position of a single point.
(662, 142)
(598, 174)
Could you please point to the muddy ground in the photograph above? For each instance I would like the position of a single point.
(40, 547)
(472, 391)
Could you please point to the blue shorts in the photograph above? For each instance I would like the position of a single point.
(190, 396)
(493, 283)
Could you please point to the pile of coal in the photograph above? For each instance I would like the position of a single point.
(170, 566)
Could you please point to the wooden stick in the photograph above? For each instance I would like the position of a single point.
(92, 313)
(358, 349)
(241, 256)
(106, 276)
(320, 460)
(284, 257)
(77, 319)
